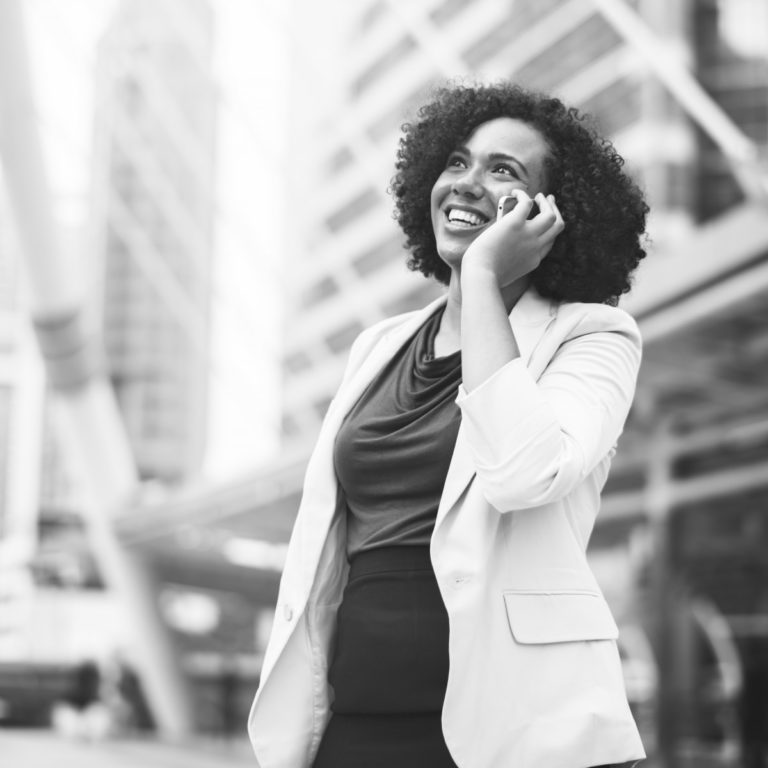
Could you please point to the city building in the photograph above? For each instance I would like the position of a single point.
(682, 91)
(155, 106)
(150, 246)
(348, 257)
(21, 404)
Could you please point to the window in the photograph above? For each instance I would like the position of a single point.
(524, 14)
(341, 339)
(616, 106)
(320, 291)
(382, 65)
(377, 257)
(352, 210)
(582, 46)
(339, 160)
(447, 10)
(372, 14)
(297, 363)
(321, 406)
(289, 426)
(414, 299)
(391, 121)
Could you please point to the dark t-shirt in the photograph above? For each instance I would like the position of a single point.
(394, 447)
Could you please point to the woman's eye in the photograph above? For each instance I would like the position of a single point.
(506, 170)
(455, 161)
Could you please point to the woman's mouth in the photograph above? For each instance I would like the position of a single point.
(465, 219)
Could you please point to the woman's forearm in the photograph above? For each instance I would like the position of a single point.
(487, 340)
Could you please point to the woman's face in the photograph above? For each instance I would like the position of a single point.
(499, 156)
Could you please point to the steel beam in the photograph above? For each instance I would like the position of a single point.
(741, 152)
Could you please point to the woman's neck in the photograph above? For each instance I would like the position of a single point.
(448, 338)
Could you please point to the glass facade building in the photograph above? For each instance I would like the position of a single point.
(680, 544)
(153, 181)
(348, 256)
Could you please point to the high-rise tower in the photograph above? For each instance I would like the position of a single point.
(154, 179)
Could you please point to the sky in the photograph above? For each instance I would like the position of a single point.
(250, 66)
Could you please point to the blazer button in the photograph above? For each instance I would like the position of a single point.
(287, 612)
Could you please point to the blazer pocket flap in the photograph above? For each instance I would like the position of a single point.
(559, 617)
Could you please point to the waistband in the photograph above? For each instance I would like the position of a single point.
(390, 559)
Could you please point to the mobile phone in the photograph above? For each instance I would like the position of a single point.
(508, 202)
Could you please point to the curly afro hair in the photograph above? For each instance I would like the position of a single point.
(604, 210)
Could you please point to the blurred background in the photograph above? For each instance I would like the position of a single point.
(195, 225)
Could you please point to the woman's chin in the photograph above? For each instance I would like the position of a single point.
(452, 257)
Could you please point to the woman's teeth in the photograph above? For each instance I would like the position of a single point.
(457, 216)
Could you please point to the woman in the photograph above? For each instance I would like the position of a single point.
(436, 607)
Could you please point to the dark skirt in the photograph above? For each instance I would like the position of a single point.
(390, 666)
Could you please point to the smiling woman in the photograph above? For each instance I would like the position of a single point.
(436, 608)
(603, 209)
(500, 158)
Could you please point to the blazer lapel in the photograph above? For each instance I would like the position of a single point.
(529, 319)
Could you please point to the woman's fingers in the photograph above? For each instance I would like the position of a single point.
(549, 221)
(522, 208)
(528, 239)
(546, 217)
(558, 216)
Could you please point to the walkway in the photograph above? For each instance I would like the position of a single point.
(44, 749)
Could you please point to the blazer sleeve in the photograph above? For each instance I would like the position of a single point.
(534, 441)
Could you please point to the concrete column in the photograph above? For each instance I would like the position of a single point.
(669, 170)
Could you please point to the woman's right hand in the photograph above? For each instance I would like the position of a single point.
(515, 245)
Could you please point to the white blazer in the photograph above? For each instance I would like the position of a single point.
(535, 679)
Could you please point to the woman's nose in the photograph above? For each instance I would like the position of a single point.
(468, 183)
